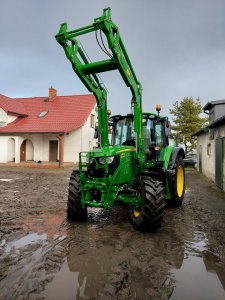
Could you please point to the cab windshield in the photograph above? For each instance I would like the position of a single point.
(153, 133)
(123, 132)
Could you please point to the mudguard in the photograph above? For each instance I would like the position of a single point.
(177, 151)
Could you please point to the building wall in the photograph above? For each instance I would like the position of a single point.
(3, 148)
(206, 153)
(206, 150)
(11, 150)
(216, 112)
(81, 139)
(73, 145)
(6, 118)
(10, 118)
(3, 117)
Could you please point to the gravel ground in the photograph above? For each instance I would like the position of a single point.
(42, 256)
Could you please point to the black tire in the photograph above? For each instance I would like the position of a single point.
(75, 211)
(150, 214)
(176, 191)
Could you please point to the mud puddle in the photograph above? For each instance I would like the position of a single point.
(30, 239)
(108, 259)
(42, 256)
(94, 269)
(6, 179)
(201, 275)
(95, 258)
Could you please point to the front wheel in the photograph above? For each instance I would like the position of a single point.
(149, 216)
(75, 211)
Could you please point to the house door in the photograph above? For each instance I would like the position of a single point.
(23, 151)
(219, 163)
(53, 150)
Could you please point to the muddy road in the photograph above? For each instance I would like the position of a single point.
(42, 256)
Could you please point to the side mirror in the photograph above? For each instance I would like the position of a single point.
(167, 128)
(96, 133)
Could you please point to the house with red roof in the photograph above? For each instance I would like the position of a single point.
(43, 129)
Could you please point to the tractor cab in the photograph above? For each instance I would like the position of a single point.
(156, 132)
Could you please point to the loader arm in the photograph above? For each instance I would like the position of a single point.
(118, 60)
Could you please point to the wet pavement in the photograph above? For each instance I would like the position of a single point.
(42, 256)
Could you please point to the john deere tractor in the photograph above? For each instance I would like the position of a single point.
(138, 166)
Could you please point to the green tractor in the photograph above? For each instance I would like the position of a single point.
(138, 167)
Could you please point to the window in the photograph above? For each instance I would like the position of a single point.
(43, 114)
(92, 121)
(148, 133)
(209, 149)
(159, 135)
(123, 132)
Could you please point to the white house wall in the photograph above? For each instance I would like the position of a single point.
(3, 149)
(10, 118)
(208, 160)
(76, 141)
(6, 118)
(3, 116)
(39, 151)
(73, 145)
(40, 144)
(45, 145)
(81, 139)
(88, 141)
(11, 150)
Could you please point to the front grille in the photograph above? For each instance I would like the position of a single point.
(93, 171)
(97, 170)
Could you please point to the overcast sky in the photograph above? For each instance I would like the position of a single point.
(177, 48)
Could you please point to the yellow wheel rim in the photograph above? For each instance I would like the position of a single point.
(136, 213)
(180, 181)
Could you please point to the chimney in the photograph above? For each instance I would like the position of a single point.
(52, 93)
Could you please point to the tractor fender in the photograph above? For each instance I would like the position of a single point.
(170, 172)
(177, 151)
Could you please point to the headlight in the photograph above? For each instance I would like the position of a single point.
(108, 159)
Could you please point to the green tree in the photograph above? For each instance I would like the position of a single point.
(187, 120)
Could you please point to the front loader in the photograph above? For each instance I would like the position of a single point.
(138, 167)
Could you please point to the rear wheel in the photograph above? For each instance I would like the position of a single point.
(75, 211)
(149, 216)
(178, 183)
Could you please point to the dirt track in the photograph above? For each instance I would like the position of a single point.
(44, 257)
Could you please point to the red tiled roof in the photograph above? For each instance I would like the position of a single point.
(65, 113)
(12, 106)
